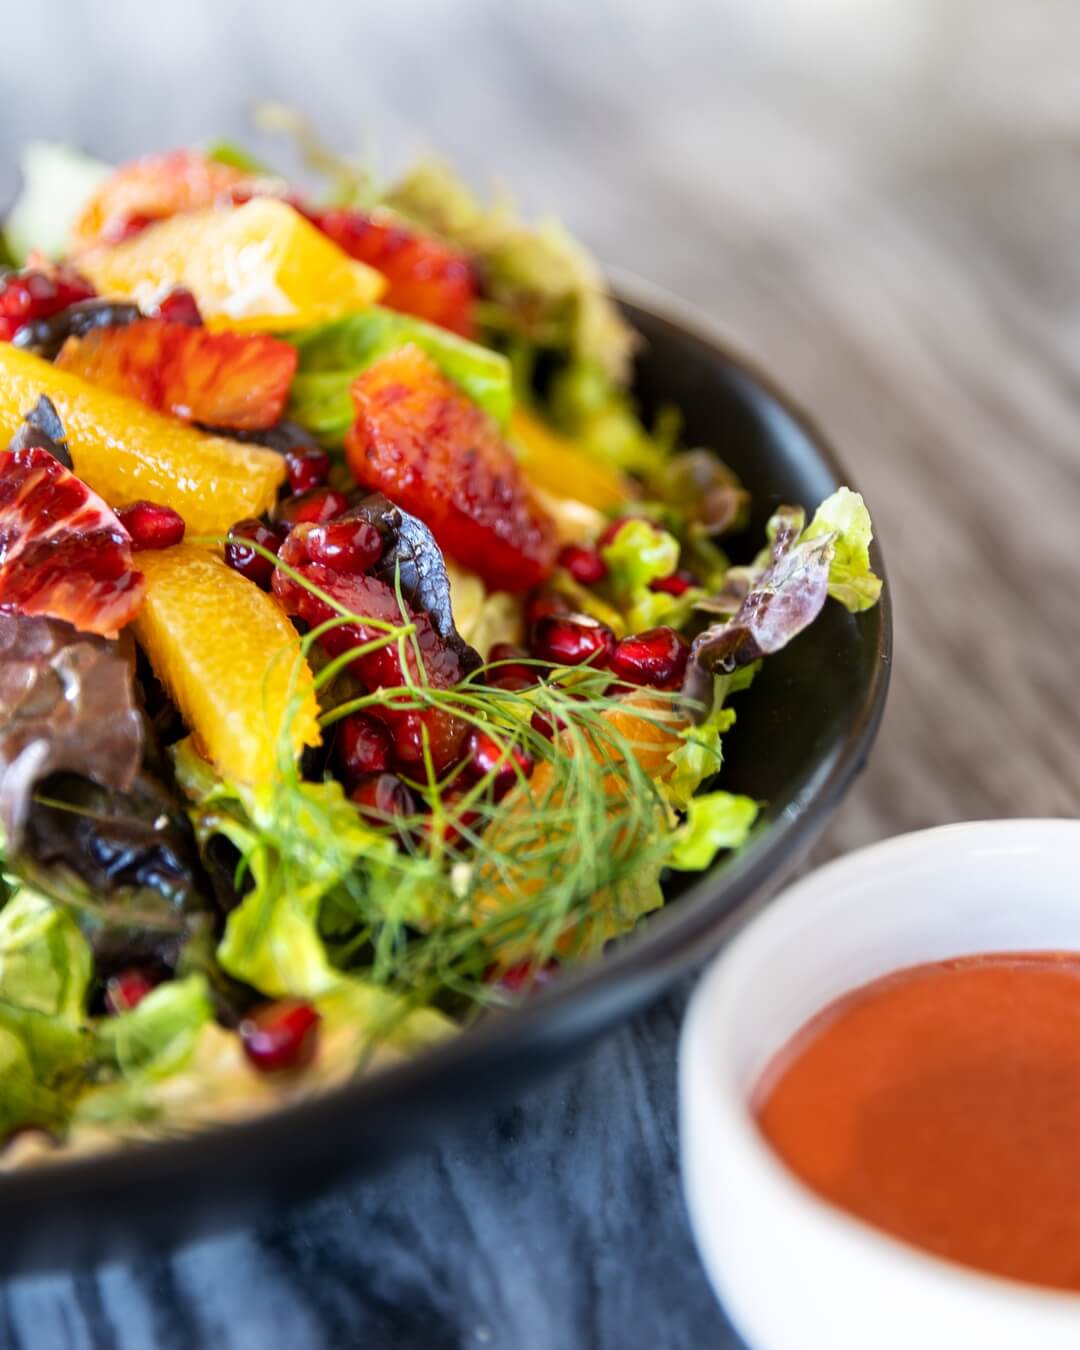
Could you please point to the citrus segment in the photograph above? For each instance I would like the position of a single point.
(230, 660)
(553, 463)
(237, 380)
(127, 452)
(256, 266)
(151, 188)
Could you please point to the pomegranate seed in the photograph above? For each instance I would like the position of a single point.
(656, 657)
(677, 584)
(179, 306)
(364, 746)
(313, 508)
(151, 525)
(585, 565)
(542, 603)
(347, 545)
(306, 467)
(524, 977)
(572, 639)
(542, 723)
(381, 796)
(508, 674)
(280, 1035)
(242, 558)
(126, 990)
(486, 756)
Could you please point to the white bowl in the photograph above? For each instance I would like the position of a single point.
(794, 1272)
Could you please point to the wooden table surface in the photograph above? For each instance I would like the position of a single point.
(881, 204)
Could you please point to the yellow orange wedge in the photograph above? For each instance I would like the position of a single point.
(650, 725)
(125, 451)
(555, 464)
(257, 266)
(230, 660)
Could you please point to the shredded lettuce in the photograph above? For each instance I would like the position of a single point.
(46, 1050)
(714, 821)
(45, 962)
(541, 286)
(157, 1037)
(333, 354)
(639, 554)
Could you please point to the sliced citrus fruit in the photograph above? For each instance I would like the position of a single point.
(523, 861)
(256, 266)
(237, 380)
(425, 276)
(553, 463)
(127, 452)
(65, 553)
(437, 455)
(230, 660)
(151, 188)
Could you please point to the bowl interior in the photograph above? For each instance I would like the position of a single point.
(803, 731)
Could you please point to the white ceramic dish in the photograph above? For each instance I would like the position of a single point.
(793, 1272)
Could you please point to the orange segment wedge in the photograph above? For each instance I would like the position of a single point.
(126, 451)
(649, 724)
(257, 266)
(230, 660)
(555, 464)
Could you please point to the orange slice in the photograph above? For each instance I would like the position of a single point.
(230, 660)
(126, 451)
(257, 266)
(553, 463)
(649, 724)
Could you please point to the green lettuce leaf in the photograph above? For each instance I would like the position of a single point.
(46, 1051)
(57, 183)
(302, 845)
(587, 405)
(157, 1037)
(333, 354)
(699, 755)
(844, 519)
(639, 554)
(714, 821)
(45, 962)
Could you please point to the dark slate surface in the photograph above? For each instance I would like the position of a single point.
(880, 203)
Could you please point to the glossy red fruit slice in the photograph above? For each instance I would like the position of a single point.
(63, 552)
(381, 669)
(439, 457)
(426, 277)
(234, 380)
(149, 189)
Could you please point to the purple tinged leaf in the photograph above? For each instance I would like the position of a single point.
(781, 601)
(66, 703)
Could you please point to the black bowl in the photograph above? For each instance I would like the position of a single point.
(803, 732)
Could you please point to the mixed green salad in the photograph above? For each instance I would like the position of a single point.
(365, 659)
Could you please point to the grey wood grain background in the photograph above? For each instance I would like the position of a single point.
(880, 201)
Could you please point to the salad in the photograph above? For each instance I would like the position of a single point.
(364, 658)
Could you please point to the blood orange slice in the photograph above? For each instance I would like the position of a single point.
(436, 455)
(63, 552)
(234, 380)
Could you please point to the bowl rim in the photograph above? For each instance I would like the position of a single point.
(673, 940)
(707, 1072)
